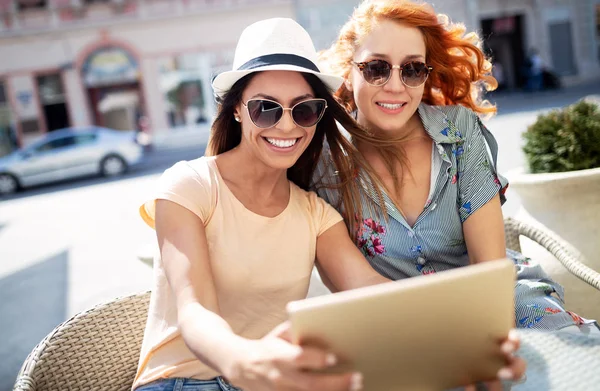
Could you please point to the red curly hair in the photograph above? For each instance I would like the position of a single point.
(461, 71)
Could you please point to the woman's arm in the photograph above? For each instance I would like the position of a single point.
(184, 252)
(271, 363)
(341, 264)
(484, 233)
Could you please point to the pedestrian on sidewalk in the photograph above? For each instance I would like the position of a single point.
(535, 72)
(414, 78)
(143, 132)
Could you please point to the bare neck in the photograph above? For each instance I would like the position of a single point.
(411, 134)
(242, 169)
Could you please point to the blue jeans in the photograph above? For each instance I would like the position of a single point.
(184, 384)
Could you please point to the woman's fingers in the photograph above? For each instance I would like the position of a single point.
(516, 366)
(511, 344)
(300, 357)
(513, 336)
(515, 369)
(283, 331)
(314, 358)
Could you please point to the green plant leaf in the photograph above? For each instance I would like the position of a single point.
(564, 140)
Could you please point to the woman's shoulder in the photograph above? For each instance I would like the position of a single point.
(199, 165)
(301, 195)
(190, 183)
(454, 113)
(459, 121)
(191, 174)
(308, 199)
(202, 167)
(314, 208)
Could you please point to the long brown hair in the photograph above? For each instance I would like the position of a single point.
(351, 168)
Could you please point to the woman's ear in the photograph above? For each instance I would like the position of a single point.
(236, 115)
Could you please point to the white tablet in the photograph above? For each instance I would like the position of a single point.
(424, 333)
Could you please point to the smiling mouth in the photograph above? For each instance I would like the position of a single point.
(390, 106)
(282, 143)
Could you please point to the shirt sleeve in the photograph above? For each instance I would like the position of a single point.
(189, 184)
(324, 215)
(477, 179)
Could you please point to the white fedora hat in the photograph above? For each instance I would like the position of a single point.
(273, 44)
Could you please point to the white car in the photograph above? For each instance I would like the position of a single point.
(70, 153)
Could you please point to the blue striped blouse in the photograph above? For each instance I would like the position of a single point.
(467, 180)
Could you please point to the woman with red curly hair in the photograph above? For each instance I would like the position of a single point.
(415, 79)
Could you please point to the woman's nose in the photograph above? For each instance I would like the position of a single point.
(394, 84)
(287, 122)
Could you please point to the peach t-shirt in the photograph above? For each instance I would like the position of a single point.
(259, 264)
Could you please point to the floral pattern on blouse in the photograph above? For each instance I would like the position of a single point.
(425, 269)
(539, 312)
(467, 179)
(576, 318)
(369, 237)
(451, 131)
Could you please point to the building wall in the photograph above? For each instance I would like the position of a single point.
(324, 18)
(210, 35)
(151, 41)
(458, 11)
(586, 43)
(538, 16)
(77, 99)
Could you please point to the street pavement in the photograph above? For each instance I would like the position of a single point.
(67, 247)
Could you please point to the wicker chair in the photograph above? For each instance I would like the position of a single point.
(566, 254)
(98, 349)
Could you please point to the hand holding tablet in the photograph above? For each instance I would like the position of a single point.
(425, 333)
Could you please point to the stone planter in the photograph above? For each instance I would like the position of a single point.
(567, 203)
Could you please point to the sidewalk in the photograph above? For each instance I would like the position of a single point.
(168, 139)
(509, 102)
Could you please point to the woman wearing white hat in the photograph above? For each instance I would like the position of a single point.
(239, 233)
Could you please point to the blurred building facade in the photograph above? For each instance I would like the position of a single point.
(114, 62)
(565, 33)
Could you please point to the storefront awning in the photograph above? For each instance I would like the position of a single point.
(118, 100)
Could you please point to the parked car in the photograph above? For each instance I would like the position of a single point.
(70, 153)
